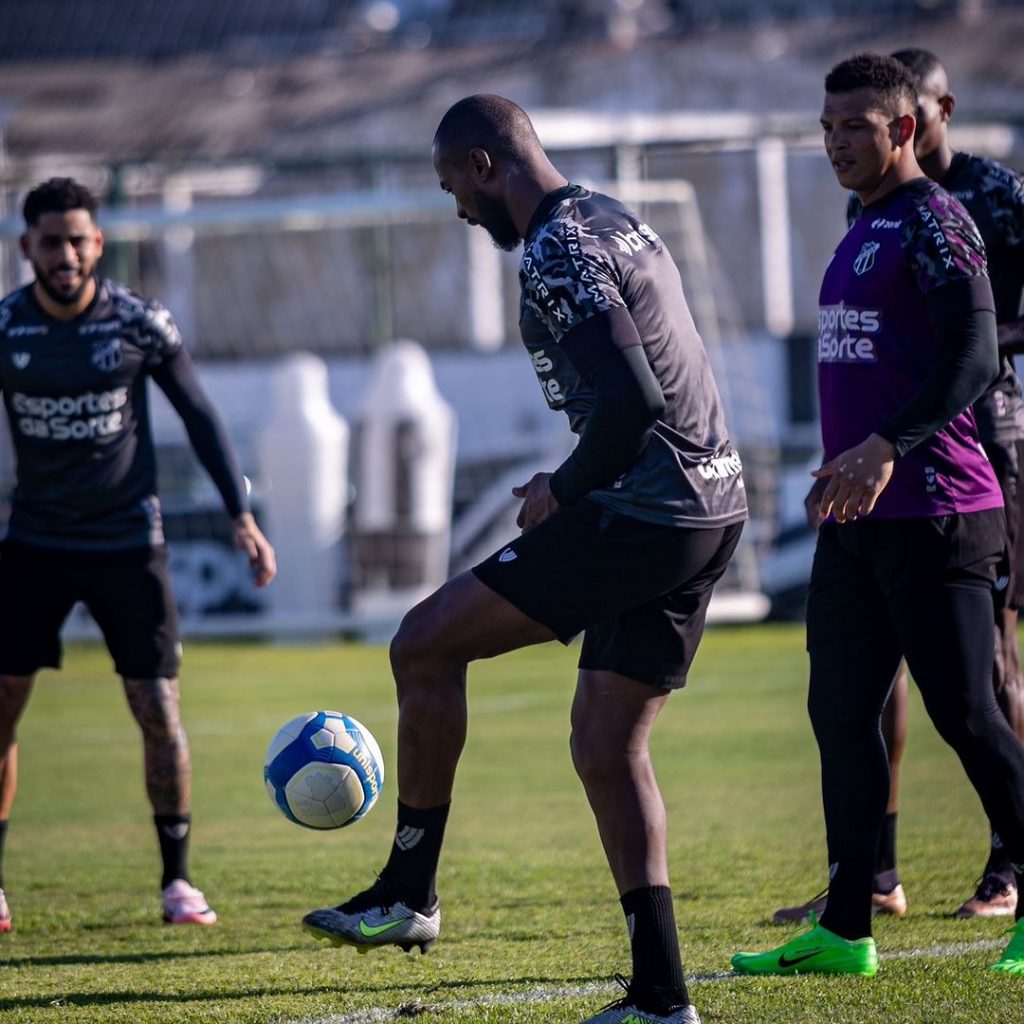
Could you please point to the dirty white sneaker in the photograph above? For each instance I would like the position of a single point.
(183, 903)
(5, 913)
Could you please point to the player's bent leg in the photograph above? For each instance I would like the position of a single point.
(952, 663)
(14, 694)
(996, 892)
(612, 717)
(463, 621)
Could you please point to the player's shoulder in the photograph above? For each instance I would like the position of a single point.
(933, 208)
(15, 310)
(940, 239)
(991, 176)
(149, 321)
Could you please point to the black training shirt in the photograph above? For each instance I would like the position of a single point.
(75, 394)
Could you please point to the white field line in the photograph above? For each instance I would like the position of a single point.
(379, 1015)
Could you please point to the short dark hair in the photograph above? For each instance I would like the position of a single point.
(58, 195)
(920, 63)
(493, 123)
(886, 76)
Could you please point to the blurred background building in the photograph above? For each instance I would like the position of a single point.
(264, 170)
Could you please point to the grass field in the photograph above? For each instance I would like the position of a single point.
(533, 931)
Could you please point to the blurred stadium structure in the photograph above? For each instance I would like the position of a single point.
(265, 172)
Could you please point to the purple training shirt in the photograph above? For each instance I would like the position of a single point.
(876, 346)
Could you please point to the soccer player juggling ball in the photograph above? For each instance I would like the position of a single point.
(623, 542)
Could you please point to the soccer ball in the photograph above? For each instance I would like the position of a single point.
(323, 770)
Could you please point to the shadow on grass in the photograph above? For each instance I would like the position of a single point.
(83, 999)
(78, 959)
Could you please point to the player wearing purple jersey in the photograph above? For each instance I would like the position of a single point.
(76, 350)
(623, 542)
(913, 519)
(994, 197)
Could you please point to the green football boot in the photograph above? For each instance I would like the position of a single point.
(1012, 960)
(818, 951)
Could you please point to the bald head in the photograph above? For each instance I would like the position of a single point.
(935, 104)
(925, 68)
(491, 123)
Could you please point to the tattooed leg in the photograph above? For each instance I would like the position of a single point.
(154, 703)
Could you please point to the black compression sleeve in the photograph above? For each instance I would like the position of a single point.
(964, 322)
(607, 353)
(177, 379)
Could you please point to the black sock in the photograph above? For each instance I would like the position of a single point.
(172, 830)
(886, 875)
(3, 836)
(848, 913)
(999, 860)
(657, 966)
(412, 866)
(1018, 876)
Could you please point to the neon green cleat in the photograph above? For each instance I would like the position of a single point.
(818, 951)
(1012, 960)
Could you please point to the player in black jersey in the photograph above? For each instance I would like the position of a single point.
(623, 542)
(76, 350)
(994, 197)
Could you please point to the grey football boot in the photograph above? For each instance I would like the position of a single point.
(625, 1011)
(376, 918)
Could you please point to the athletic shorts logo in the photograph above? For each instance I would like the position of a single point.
(21, 359)
(866, 258)
(407, 837)
(508, 555)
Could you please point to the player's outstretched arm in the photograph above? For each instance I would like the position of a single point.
(250, 539)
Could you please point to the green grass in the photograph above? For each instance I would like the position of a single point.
(528, 900)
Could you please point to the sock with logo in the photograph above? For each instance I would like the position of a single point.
(172, 831)
(657, 980)
(412, 867)
(999, 860)
(887, 877)
(3, 836)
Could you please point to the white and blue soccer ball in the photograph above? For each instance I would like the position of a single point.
(323, 770)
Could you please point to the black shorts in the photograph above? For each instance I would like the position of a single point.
(638, 591)
(864, 569)
(128, 593)
(1007, 460)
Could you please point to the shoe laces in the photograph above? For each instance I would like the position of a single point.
(990, 886)
(381, 894)
(663, 1009)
